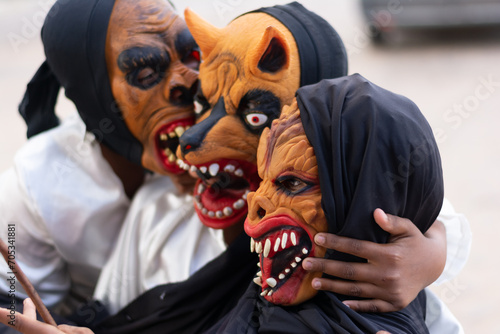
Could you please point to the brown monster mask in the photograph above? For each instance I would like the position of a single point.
(152, 63)
(244, 83)
(250, 70)
(285, 212)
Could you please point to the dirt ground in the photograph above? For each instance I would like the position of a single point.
(453, 77)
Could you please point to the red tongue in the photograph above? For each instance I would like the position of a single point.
(213, 198)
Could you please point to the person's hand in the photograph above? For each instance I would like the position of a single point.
(394, 273)
(26, 323)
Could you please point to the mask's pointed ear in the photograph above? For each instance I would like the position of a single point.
(205, 34)
(272, 53)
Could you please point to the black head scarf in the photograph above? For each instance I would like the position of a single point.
(74, 39)
(374, 150)
(321, 50)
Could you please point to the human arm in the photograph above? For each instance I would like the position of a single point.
(392, 276)
(26, 323)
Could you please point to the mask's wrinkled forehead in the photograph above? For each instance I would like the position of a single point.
(285, 128)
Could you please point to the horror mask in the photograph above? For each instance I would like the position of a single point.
(353, 148)
(243, 86)
(285, 212)
(152, 62)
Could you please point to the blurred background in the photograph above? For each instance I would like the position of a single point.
(442, 54)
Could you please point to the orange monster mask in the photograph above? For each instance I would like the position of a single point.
(152, 63)
(250, 70)
(285, 212)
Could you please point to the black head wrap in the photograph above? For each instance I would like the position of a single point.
(74, 39)
(321, 50)
(374, 149)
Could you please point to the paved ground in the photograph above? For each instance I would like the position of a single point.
(454, 78)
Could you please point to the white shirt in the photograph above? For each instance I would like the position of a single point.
(162, 241)
(439, 318)
(67, 207)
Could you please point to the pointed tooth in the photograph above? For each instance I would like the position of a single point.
(167, 151)
(281, 276)
(172, 134)
(297, 259)
(252, 245)
(227, 211)
(304, 251)
(287, 270)
(211, 214)
(239, 172)
(245, 195)
(258, 281)
(201, 188)
(264, 293)
(179, 131)
(239, 204)
(271, 282)
(293, 264)
(277, 245)
(229, 168)
(203, 169)
(270, 292)
(258, 247)
(219, 214)
(259, 273)
(171, 158)
(284, 240)
(164, 137)
(267, 247)
(258, 264)
(193, 168)
(293, 238)
(213, 169)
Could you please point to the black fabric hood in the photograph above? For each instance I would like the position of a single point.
(74, 39)
(321, 50)
(374, 149)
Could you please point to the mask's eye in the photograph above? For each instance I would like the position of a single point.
(147, 77)
(256, 119)
(291, 185)
(192, 60)
(144, 67)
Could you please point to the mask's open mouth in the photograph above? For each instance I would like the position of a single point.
(281, 248)
(167, 140)
(221, 191)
